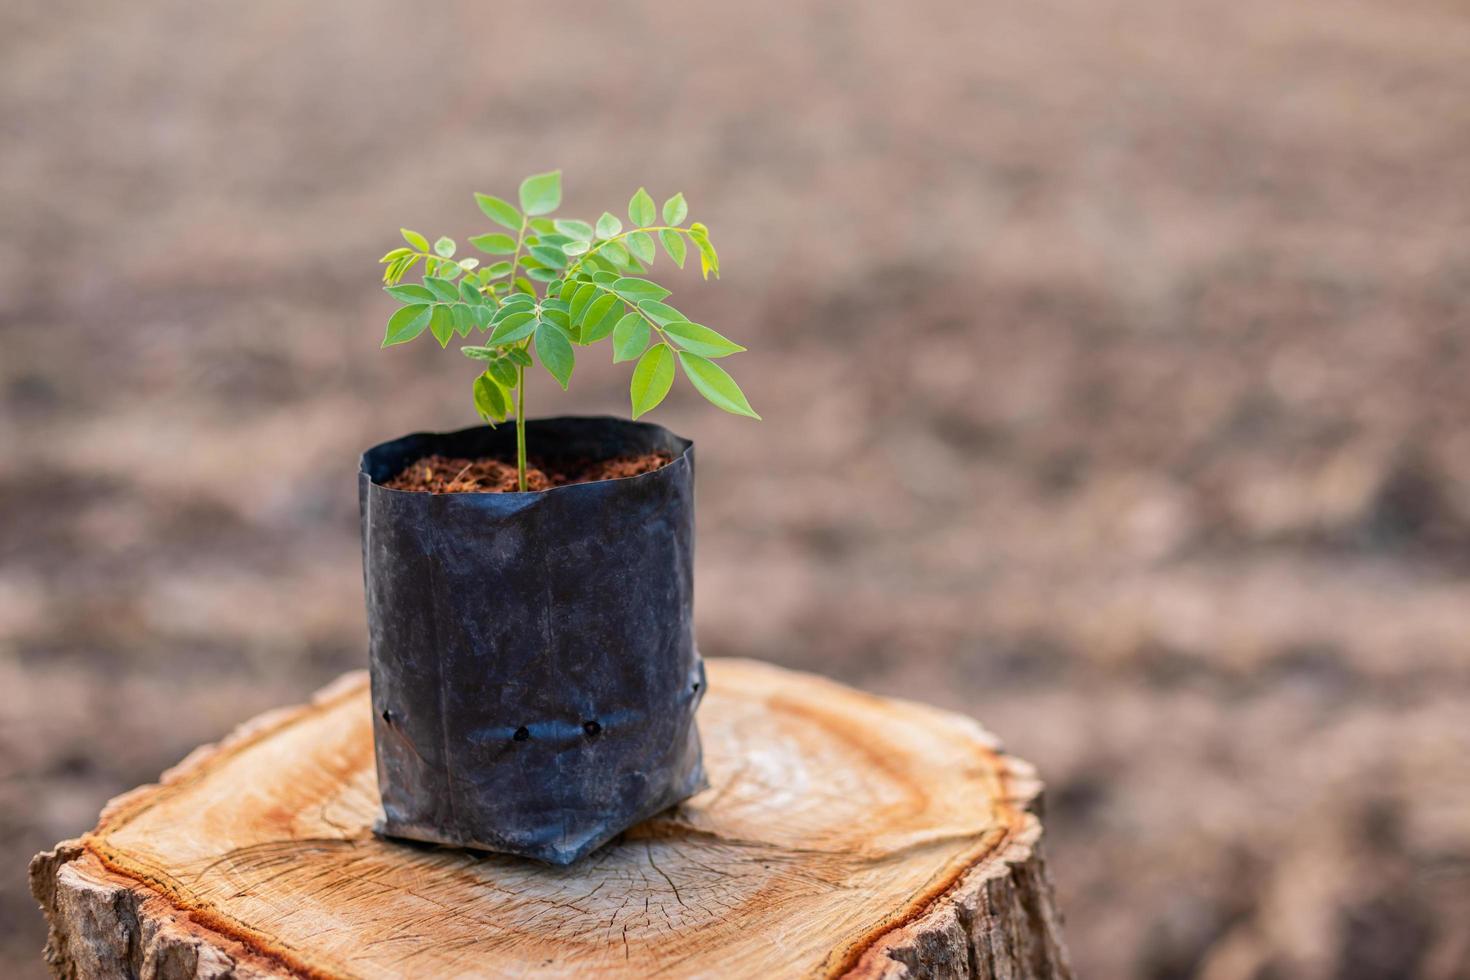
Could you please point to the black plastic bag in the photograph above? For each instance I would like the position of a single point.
(534, 673)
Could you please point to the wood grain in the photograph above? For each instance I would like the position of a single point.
(843, 834)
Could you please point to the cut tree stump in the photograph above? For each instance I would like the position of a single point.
(843, 835)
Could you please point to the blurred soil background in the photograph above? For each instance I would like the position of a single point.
(1115, 361)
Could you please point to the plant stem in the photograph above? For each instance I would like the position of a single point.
(515, 261)
(577, 265)
(521, 426)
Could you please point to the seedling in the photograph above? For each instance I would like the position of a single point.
(591, 287)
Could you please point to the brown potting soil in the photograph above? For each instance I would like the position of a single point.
(447, 474)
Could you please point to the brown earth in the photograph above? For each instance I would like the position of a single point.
(446, 474)
(1113, 357)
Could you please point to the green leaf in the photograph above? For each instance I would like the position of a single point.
(614, 253)
(555, 351)
(519, 355)
(396, 253)
(503, 213)
(541, 193)
(599, 265)
(558, 317)
(407, 323)
(519, 300)
(675, 210)
(630, 336)
(641, 210)
(410, 293)
(640, 243)
(495, 243)
(718, 388)
(504, 372)
(552, 256)
(598, 308)
(480, 353)
(468, 265)
(524, 285)
(709, 261)
(415, 239)
(600, 320)
(441, 324)
(542, 275)
(490, 399)
(674, 245)
(608, 225)
(498, 270)
(464, 320)
(585, 294)
(652, 378)
(701, 340)
(444, 247)
(576, 247)
(469, 293)
(515, 326)
(400, 268)
(662, 313)
(634, 290)
(542, 226)
(579, 230)
(443, 289)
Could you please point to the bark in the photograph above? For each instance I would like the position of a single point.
(843, 835)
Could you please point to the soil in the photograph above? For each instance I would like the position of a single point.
(448, 474)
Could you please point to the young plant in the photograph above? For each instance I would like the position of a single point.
(591, 286)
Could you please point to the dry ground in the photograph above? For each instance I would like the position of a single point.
(1113, 356)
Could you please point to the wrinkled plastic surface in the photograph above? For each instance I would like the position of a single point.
(534, 673)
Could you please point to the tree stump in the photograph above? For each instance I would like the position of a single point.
(843, 835)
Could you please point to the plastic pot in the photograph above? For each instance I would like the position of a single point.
(534, 673)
